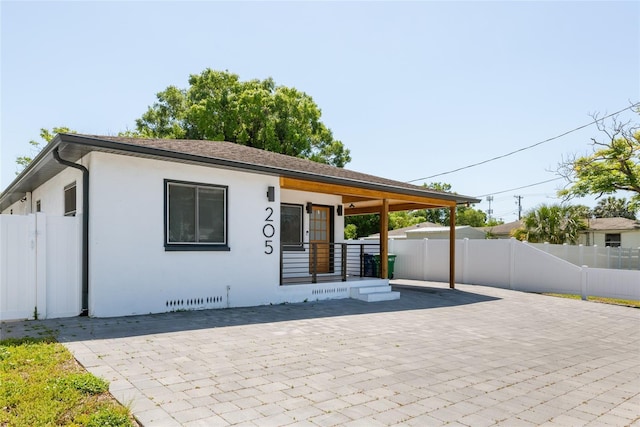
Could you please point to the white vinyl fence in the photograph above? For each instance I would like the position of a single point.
(509, 264)
(39, 266)
(594, 256)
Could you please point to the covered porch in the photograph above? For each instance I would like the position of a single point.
(360, 198)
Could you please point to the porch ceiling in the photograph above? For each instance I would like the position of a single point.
(360, 201)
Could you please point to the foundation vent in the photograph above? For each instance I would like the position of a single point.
(193, 303)
(328, 291)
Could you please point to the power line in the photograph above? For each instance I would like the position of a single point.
(519, 188)
(527, 147)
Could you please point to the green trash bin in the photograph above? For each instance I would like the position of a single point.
(391, 262)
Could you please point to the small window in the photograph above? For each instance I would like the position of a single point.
(612, 239)
(38, 206)
(291, 226)
(196, 216)
(70, 200)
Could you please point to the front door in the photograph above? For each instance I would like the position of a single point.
(320, 238)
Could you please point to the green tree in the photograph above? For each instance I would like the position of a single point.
(613, 208)
(614, 164)
(470, 216)
(464, 215)
(403, 219)
(256, 113)
(46, 135)
(365, 224)
(350, 232)
(554, 224)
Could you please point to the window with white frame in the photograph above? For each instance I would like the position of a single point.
(195, 216)
(70, 200)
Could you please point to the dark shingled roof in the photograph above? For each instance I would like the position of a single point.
(219, 153)
(261, 158)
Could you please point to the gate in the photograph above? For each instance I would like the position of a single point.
(39, 266)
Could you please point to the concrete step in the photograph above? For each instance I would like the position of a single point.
(369, 290)
(374, 293)
(379, 296)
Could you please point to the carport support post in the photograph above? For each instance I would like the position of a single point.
(384, 239)
(452, 247)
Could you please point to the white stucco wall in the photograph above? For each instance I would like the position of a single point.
(130, 271)
(51, 194)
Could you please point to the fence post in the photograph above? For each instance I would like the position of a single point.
(425, 256)
(583, 282)
(595, 256)
(32, 263)
(512, 261)
(465, 259)
(580, 254)
(608, 256)
(41, 264)
(619, 257)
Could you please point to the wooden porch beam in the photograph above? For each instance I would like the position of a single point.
(384, 239)
(376, 208)
(345, 190)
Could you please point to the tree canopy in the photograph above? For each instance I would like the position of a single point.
(614, 164)
(46, 135)
(553, 224)
(217, 105)
(613, 208)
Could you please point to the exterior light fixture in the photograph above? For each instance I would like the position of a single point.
(271, 193)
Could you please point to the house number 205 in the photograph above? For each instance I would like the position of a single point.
(268, 231)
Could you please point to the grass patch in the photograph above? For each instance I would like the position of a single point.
(615, 301)
(42, 384)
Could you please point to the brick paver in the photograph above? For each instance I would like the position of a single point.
(474, 356)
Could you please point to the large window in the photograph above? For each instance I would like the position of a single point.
(196, 216)
(70, 200)
(291, 226)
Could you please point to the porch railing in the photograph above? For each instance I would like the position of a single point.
(327, 262)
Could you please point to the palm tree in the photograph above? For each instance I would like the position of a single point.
(612, 207)
(554, 224)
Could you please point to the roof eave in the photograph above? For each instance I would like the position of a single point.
(17, 189)
(271, 170)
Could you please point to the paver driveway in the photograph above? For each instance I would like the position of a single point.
(473, 356)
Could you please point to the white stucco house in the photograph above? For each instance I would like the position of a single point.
(429, 230)
(183, 224)
(614, 232)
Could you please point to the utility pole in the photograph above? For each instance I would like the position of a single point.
(519, 203)
(489, 211)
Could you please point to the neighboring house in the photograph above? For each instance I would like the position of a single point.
(429, 230)
(183, 224)
(614, 232)
(400, 233)
(501, 231)
(462, 232)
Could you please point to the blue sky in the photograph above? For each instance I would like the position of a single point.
(413, 89)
